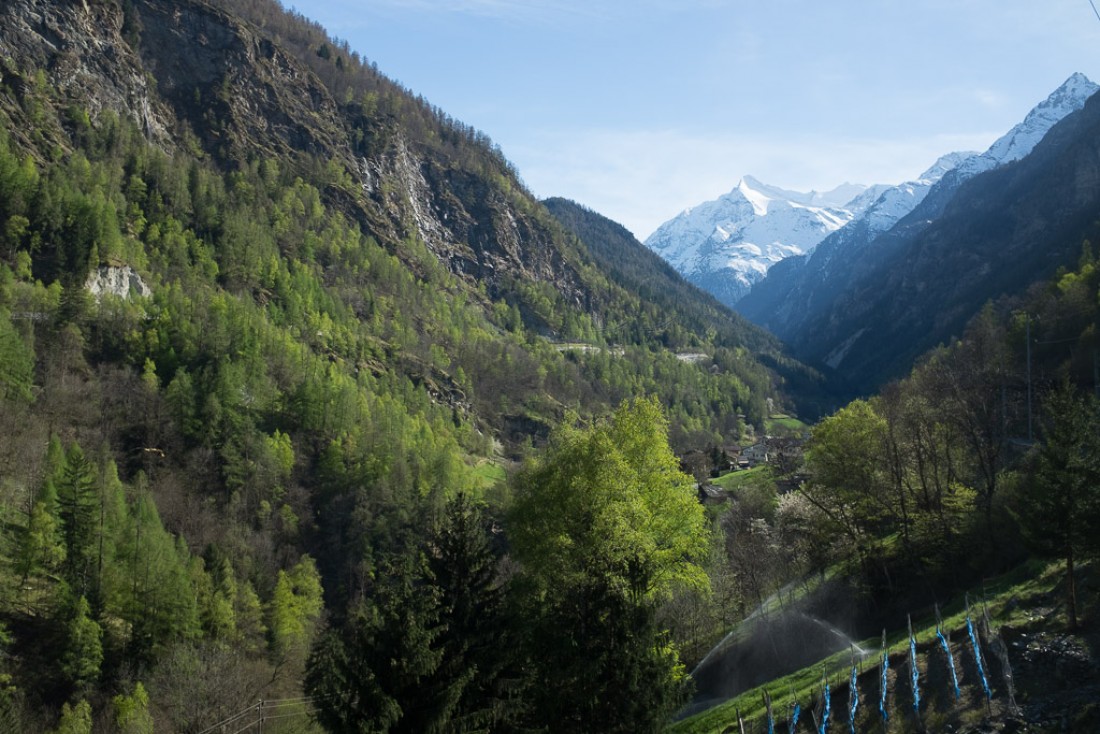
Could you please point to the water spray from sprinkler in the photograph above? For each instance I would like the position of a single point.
(947, 651)
(853, 698)
(977, 651)
(914, 673)
(884, 681)
(1001, 651)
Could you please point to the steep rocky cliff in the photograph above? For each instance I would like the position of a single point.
(76, 51)
(200, 79)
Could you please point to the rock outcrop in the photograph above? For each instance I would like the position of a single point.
(124, 282)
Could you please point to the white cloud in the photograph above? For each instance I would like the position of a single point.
(526, 11)
(990, 98)
(543, 11)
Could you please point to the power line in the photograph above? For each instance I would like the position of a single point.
(285, 716)
(1094, 9)
(1058, 341)
(258, 708)
(296, 699)
(249, 726)
(234, 717)
(271, 706)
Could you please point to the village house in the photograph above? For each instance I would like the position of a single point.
(756, 454)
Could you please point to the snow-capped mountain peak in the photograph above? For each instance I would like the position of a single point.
(742, 233)
(1012, 146)
(1021, 139)
(792, 297)
(757, 194)
(894, 202)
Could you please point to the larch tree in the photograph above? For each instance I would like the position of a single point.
(83, 654)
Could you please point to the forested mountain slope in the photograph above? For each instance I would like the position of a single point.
(639, 270)
(344, 310)
(289, 104)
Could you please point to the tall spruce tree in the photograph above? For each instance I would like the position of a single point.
(478, 640)
(432, 648)
(78, 510)
(378, 673)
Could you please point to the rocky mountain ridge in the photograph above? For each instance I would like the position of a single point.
(787, 295)
(968, 242)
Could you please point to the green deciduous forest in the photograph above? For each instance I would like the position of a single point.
(952, 470)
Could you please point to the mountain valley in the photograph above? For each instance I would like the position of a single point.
(313, 418)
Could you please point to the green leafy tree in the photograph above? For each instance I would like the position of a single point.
(41, 546)
(156, 596)
(110, 523)
(605, 524)
(249, 616)
(1059, 504)
(295, 607)
(611, 501)
(220, 617)
(16, 362)
(849, 485)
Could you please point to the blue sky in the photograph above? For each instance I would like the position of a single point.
(641, 108)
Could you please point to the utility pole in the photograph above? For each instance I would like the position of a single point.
(1027, 318)
(1096, 371)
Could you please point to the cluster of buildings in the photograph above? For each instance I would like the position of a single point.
(783, 452)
